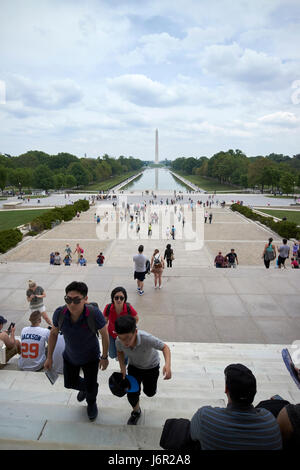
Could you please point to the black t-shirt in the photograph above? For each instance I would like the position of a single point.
(231, 257)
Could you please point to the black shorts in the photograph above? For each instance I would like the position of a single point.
(139, 276)
(281, 260)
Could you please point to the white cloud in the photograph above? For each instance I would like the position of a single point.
(100, 76)
(281, 119)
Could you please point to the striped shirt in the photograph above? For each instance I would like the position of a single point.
(235, 428)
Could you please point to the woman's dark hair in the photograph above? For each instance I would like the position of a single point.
(168, 246)
(118, 289)
(80, 287)
(125, 324)
(270, 241)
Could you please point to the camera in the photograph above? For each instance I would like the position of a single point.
(10, 327)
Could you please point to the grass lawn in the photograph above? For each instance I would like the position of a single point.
(12, 219)
(208, 184)
(292, 216)
(110, 183)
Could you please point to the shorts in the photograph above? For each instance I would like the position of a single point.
(139, 276)
(281, 260)
(38, 309)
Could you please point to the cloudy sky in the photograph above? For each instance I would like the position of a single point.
(99, 76)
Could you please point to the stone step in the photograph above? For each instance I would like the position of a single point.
(85, 435)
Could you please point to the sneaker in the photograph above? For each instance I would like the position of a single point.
(160, 287)
(81, 396)
(134, 417)
(138, 289)
(141, 292)
(92, 411)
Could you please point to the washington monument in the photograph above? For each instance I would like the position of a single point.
(156, 146)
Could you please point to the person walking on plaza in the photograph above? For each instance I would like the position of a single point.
(100, 259)
(35, 296)
(169, 255)
(80, 323)
(232, 259)
(68, 250)
(173, 232)
(79, 251)
(219, 260)
(118, 307)
(205, 216)
(269, 253)
(141, 348)
(157, 266)
(210, 217)
(283, 253)
(140, 269)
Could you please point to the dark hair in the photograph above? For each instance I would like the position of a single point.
(118, 289)
(284, 241)
(141, 248)
(80, 287)
(240, 383)
(270, 241)
(125, 324)
(168, 246)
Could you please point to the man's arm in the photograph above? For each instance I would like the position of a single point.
(51, 346)
(121, 359)
(105, 342)
(167, 367)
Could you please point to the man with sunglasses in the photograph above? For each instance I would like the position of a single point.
(82, 350)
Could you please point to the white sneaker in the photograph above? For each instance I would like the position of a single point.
(160, 287)
(141, 292)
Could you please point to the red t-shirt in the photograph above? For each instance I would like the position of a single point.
(113, 316)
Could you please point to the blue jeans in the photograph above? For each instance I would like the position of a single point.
(112, 350)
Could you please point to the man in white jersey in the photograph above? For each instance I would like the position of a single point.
(33, 344)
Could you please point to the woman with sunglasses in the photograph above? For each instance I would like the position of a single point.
(118, 307)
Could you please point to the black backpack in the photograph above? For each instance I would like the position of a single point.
(109, 307)
(89, 313)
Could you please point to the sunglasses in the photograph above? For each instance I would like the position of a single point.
(119, 297)
(75, 300)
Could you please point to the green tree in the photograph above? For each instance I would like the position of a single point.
(287, 183)
(3, 177)
(70, 181)
(43, 177)
(80, 173)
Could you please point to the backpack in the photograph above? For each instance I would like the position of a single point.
(89, 313)
(269, 253)
(157, 262)
(109, 307)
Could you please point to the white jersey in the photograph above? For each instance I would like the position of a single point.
(33, 347)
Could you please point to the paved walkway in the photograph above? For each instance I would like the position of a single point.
(198, 303)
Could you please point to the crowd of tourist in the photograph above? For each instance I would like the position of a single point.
(71, 344)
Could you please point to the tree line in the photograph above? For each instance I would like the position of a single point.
(278, 172)
(39, 170)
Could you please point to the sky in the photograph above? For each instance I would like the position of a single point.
(92, 77)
